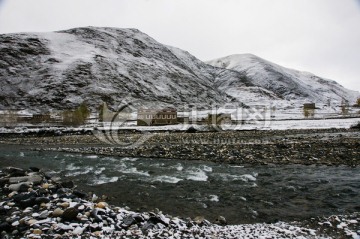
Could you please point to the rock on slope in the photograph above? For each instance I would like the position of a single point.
(276, 82)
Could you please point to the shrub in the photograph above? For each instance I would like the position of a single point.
(77, 117)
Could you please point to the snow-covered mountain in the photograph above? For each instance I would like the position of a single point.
(59, 70)
(94, 65)
(276, 82)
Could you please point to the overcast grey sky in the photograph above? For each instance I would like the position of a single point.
(319, 36)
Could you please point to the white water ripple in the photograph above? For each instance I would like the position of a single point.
(167, 179)
(196, 174)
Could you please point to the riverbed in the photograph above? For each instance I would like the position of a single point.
(189, 188)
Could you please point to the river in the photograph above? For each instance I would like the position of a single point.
(188, 188)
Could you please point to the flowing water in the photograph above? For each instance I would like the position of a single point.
(242, 194)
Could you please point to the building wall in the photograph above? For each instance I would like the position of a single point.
(309, 106)
(157, 117)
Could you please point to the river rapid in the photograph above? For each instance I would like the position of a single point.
(189, 188)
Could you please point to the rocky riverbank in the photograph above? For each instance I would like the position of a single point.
(321, 147)
(38, 204)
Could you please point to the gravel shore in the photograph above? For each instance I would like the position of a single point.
(37, 204)
(320, 147)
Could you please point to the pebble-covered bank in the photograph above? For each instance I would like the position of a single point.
(322, 147)
(37, 204)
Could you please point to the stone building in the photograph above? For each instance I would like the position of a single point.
(147, 117)
(41, 118)
(309, 106)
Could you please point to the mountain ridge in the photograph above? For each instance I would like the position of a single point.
(286, 83)
(62, 69)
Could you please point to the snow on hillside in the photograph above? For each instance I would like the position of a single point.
(285, 83)
(94, 65)
(60, 70)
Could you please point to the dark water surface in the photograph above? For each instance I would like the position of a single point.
(242, 194)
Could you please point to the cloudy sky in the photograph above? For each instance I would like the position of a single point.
(319, 36)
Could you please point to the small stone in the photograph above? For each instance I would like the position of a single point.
(24, 188)
(221, 220)
(31, 221)
(79, 194)
(40, 200)
(94, 225)
(94, 214)
(199, 220)
(147, 226)
(28, 210)
(128, 221)
(55, 179)
(27, 202)
(58, 212)
(70, 214)
(12, 194)
(102, 205)
(14, 172)
(37, 231)
(35, 179)
(65, 204)
(45, 186)
(19, 187)
(78, 230)
(62, 190)
(44, 214)
(65, 227)
(94, 198)
(15, 224)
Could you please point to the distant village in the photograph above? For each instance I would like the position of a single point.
(143, 117)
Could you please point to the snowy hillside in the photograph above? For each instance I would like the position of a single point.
(93, 65)
(277, 82)
(60, 70)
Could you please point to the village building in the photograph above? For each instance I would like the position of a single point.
(14, 116)
(309, 106)
(40, 118)
(147, 117)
